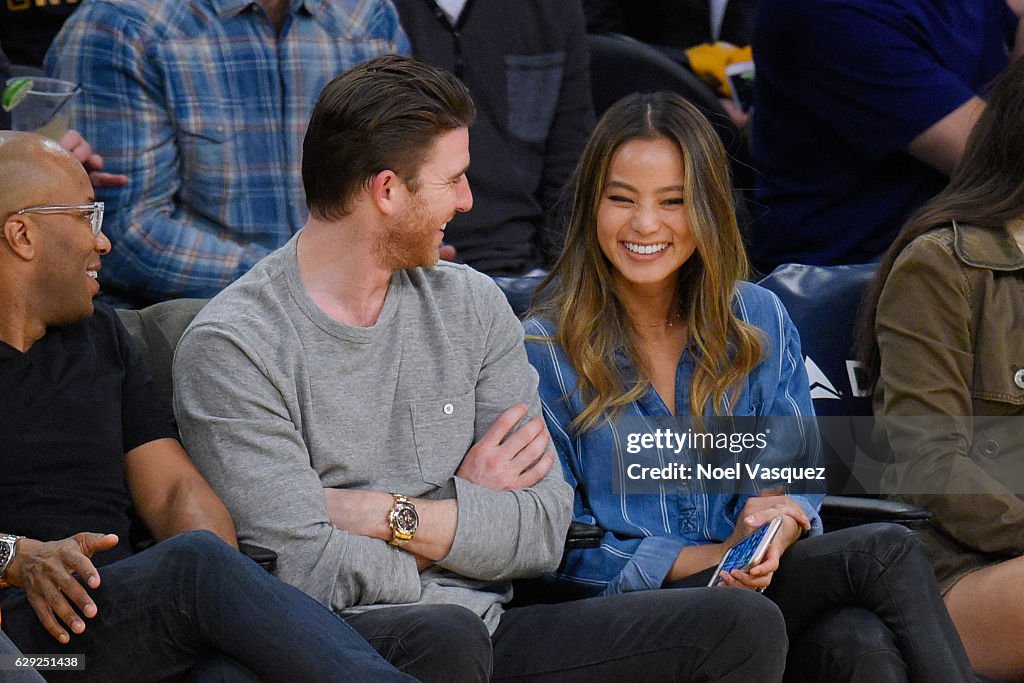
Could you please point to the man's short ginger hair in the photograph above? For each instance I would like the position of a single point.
(383, 114)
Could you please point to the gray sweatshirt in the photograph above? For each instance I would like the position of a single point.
(275, 401)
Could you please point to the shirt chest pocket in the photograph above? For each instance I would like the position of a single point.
(533, 82)
(442, 433)
(205, 136)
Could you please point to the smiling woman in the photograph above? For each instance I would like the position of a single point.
(666, 250)
(643, 229)
(648, 317)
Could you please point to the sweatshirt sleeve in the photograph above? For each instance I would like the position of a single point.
(238, 428)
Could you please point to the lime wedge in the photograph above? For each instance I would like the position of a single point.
(16, 90)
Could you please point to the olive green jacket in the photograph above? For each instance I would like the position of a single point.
(950, 326)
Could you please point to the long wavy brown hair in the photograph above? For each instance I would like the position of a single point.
(986, 190)
(579, 295)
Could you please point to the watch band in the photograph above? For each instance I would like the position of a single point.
(403, 520)
(8, 549)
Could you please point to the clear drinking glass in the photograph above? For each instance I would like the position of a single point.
(46, 107)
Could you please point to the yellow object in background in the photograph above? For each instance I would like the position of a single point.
(708, 61)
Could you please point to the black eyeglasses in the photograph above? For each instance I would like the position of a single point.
(93, 211)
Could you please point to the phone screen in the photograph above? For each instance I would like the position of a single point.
(747, 552)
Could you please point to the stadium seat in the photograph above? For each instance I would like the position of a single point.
(824, 303)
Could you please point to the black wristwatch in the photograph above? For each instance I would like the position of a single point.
(8, 549)
(403, 520)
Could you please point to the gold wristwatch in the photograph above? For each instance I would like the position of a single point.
(403, 520)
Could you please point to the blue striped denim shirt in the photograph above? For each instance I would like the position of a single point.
(205, 109)
(644, 533)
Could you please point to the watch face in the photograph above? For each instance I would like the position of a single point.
(406, 519)
(5, 553)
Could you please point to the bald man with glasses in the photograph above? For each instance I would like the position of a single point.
(82, 441)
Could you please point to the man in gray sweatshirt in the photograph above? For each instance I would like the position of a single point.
(370, 414)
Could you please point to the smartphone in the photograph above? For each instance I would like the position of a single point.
(741, 82)
(747, 552)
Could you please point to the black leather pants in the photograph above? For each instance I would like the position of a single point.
(862, 604)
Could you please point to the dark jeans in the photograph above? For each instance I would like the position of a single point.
(194, 607)
(22, 676)
(862, 604)
(685, 635)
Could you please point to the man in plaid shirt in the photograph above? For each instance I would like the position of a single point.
(203, 105)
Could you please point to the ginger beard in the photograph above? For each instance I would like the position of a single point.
(412, 239)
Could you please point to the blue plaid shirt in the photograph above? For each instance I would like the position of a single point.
(644, 532)
(205, 109)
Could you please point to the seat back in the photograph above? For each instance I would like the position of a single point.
(824, 302)
(156, 330)
(620, 65)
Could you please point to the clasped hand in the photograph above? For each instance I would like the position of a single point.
(506, 458)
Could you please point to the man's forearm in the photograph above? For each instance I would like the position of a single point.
(366, 513)
(170, 494)
(508, 534)
(436, 532)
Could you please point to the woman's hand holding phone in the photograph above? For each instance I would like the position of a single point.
(758, 511)
(760, 575)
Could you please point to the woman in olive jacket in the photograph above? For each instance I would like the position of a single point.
(943, 335)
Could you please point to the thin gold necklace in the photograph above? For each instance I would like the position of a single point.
(669, 321)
